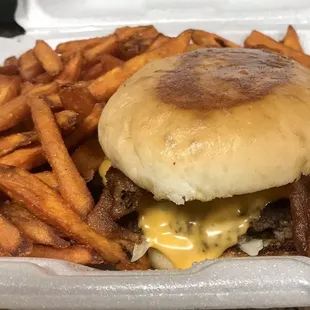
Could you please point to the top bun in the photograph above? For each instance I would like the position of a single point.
(209, 124)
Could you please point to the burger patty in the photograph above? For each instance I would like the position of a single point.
(275, 222)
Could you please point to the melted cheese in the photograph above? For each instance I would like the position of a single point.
(197, 231)
(103, 169)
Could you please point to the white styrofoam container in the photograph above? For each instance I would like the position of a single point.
(215, 284)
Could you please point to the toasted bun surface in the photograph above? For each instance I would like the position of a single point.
(211, 123)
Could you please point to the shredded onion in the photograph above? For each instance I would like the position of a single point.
(252, 247)
(139, 250)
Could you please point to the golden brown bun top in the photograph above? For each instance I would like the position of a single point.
(211, 123)
(222, 78)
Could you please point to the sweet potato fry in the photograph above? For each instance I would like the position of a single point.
(43, 89)
(291, 39)
(4, 253)
(137, 43)
(31, 227)
(107, 63)
(71, 70)
(11, 241)
(48, 178)
(67, 55)
(26, 87)
(13, 112)
(87, 158)
(259, 40)
(193, 47)
(32, 156)
(11, 61)
(27, 158)
(66, 120)
(47, 205)
(49, 59)
(107, 46)
(106, 85)
(54, 102)
(9, 70)
(77, 45)
(44, 78)
(71, 184)
(76, 254)
(93, 72)
(86, 128)
(29, 66)
(160, 40)
(9, 88)
(78, 99)
(126, 32)
(16, 110)
(12, 142)
(208, 39)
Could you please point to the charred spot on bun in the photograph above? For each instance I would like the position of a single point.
(214, 136)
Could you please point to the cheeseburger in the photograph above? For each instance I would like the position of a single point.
(217, 139)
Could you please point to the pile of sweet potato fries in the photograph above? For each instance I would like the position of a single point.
(50, 104)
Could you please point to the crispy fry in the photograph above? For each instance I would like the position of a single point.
(208, 39)
(71, 184)
(78, 99)
(86, 128)
(4, 253)
(12, 142)
(11, 61)
(76, 254)
(27, 158)
(66, 56)
(46, 204)
(26, 87)
(54, 102)
(137, 43)
(77, 45)
(44, 78)
(33, 228)
(106, 85)
(48, 178)
(66, 120)
(107, 46)
(49, 59)
(126, 32)
(43, 89)
(193, 47)
(11, 241)
(291, 39)
(107, 63)
(71, 70)
(159, 41)
(16, 110)
(13, 112)
(87, 158)
(93, 72)
(9, 88)
(32, 156)
(259, 40)
(9, 70)
(29, 66)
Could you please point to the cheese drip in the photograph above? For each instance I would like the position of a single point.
(197, 231)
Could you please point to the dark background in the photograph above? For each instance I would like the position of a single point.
(8, 27)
